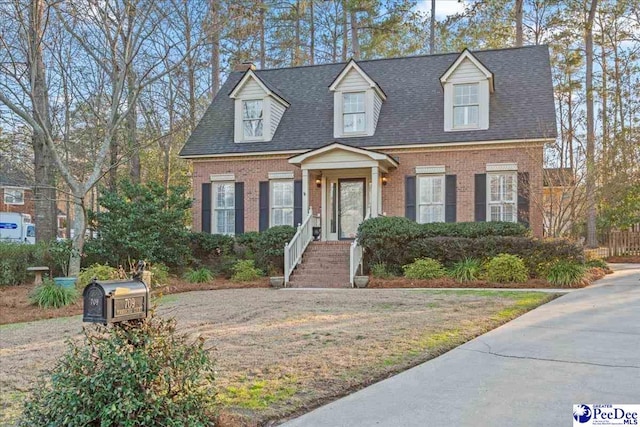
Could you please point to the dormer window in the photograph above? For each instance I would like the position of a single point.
(353, 112)
(466, 106)
(252, 118)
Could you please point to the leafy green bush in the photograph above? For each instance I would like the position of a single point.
(566, 274)
(159, 274)
(15, 258)
(130, 374)
(269, 254)
(506, 268)
(245, 271)
(142, 221)
(466, 270)
(380, 270)
(247, 244)
(205, 246)
(597, 263)
(201, 275)
(424, 268)
(385, 239)
(473, 229)
(50, 295)
(99, 271)
(60, 253)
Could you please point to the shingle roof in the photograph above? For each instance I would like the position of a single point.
(522, 106)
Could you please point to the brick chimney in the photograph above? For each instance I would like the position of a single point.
(244, 66)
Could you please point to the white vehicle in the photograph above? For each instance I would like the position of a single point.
(16, 227)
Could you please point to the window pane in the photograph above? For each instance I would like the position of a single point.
(252, 109)
(508, 212)
(354, 122)
(465, 94)
(472, 115)
(353, 102)
(495, 213)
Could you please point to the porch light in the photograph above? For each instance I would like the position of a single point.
(384, 180)
(318, 182)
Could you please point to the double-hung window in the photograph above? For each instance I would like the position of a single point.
(430, 198)
(466, 105)
(503, 196)
(353, 113)
(281, 202)
(13, 196)
(224, 217)
(252, 125)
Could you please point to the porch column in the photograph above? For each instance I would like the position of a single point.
(375, 183)
(305, 193)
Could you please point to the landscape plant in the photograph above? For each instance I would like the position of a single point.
(201, 275)
(269, 254)
(15, 258)
(466, 270)
(566, 274)
(245, 271)
(159, 274)
(138, 373)
(424, 268)
(380, 270)
(506, 268)
(99, 271)
(50, 295)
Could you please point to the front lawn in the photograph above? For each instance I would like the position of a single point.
(279, 353)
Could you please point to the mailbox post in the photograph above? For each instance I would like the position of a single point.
(114, 301)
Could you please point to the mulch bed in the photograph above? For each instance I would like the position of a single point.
(15, 306)
(624, 259)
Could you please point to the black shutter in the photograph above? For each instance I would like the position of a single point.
(263, 222)
(410, 197)
(239, 195)
(523, 198)
(206, 207)
(481, 197)
(450, 198)
(297, 203)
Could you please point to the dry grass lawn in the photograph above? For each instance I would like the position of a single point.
(279, 353)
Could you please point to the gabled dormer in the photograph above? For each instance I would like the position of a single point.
(258, 109)
(468, 85)
(357, 100)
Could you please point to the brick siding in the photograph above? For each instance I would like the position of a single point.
(27, 208)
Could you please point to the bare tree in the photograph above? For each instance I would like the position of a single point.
(519, 22)
(591, 171)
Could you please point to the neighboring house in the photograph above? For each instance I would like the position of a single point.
(559, 199)
(16, 190)
(435, 138)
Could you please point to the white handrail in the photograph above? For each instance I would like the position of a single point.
(295, 248)
(355, 255)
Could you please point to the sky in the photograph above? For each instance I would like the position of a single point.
(444, 8)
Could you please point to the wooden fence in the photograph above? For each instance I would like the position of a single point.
(622, 243)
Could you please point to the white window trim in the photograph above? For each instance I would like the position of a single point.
(443, 195)
(214, 219)
(242, 119)
(471, 125)
(364, 96)
(483, 105)
(4, 195)
(501, 203)
(271, 204)
(338, 116)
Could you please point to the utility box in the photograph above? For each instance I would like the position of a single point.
(111, 301)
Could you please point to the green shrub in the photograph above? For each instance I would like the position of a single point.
(205, 246)
(473, 229)
(14, 260)
(385, 239)
(506, 268)
(143, 221)
(201, 275)
(99, 271)
(425, 268)
(269, 254)
(50, 295)
(466, 270)
(565, 274)
(597, 263)
(247, 244)
(60, 253)
(159, 274)
(380, 270)
(130, 374)
(245, 271)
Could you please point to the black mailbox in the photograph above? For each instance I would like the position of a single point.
(115, 301)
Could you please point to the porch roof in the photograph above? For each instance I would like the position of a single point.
(341, 156)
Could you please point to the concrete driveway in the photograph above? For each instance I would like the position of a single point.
(581, 348)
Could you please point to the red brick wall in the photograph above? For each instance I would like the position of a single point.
(464, 162)
(27, 208)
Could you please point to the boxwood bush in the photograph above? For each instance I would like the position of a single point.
(269, 254)
(506, 268)
(424, 268)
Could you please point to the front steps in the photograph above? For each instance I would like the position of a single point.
(324, 265)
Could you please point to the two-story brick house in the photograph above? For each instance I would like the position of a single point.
(447, 137)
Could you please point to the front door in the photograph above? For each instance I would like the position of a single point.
(350, 207)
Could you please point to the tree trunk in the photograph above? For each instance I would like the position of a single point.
(132, 130)
(191, 72)
(591, 179)
(112, 181)
(519, 23)
(79, 228)
(345, 31)
(263, 53)
(296, 49)
(45, 185)
(355, 42)
(432, 29)
(312, 34)
(215, 47)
